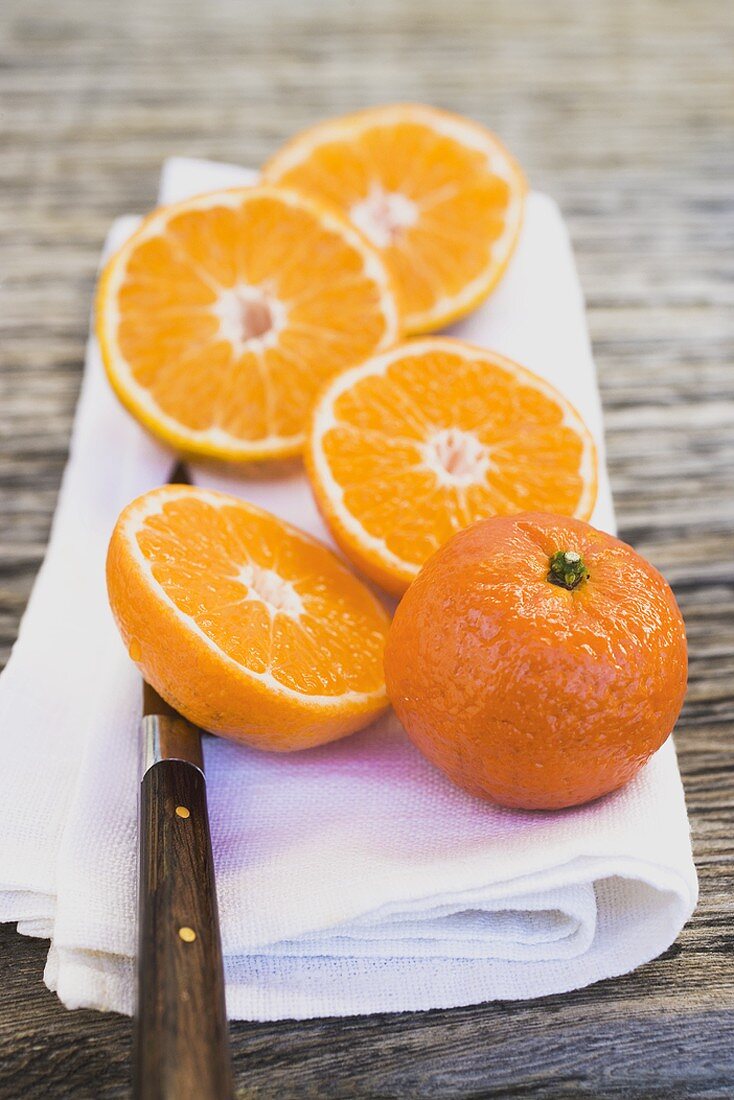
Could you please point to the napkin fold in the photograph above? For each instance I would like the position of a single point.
(351, 878)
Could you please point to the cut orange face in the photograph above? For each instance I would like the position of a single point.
(438, 195)
(425, 439)
(247, 626)
(221, 317)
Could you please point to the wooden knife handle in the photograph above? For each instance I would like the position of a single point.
(181, 1038)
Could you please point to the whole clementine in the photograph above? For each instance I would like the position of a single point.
(537, 661)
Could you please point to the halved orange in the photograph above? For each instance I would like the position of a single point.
(247, 626)
(438, 195)
(222, 315)
(424, 439)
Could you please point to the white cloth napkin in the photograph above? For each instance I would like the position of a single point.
(352, 878)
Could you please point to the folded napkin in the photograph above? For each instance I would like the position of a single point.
(352, 878)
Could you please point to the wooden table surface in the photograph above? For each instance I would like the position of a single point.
(624, 111)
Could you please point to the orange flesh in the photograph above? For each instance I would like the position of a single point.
(300, 308)
(496, 444)
(268, 597)
(430, 203)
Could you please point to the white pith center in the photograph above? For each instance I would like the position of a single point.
(383, 215)
(278, 595)
(456, 457)
(249, 318)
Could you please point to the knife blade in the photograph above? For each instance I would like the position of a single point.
(181, 1041)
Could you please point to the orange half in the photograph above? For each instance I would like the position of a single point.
(247, 626)
(221, 317)
(437, 194)
(425, 439)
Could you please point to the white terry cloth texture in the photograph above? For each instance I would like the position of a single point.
(352, 878)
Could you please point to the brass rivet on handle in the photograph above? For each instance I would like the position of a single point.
(187, 934)
(183, 812)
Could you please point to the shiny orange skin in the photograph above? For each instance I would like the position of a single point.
(530, 694)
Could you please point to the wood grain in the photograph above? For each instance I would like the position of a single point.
(624, 111)
(181, 1040)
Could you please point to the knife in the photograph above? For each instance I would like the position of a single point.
(181, 1041)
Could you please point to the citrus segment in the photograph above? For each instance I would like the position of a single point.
(222, 315)
(438, 195)
(247, 626)
(424, 439)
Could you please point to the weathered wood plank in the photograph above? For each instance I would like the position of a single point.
(624, 112)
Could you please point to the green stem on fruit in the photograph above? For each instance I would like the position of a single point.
(567, 569)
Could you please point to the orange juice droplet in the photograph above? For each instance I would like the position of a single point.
(135, 650)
